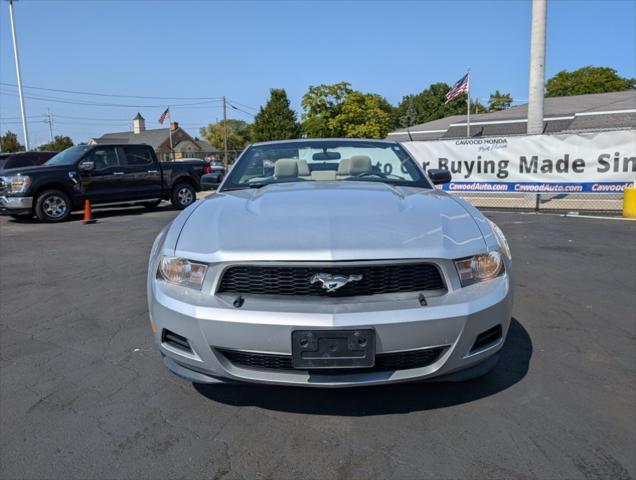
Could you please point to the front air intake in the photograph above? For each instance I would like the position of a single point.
(486, 339)
(175, 341)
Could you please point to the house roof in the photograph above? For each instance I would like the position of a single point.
(138, 117)
(154, 137)
(561, 115)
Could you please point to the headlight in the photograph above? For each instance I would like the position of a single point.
(16, 183)
(501, 239)
(182, 272)
(479, 268)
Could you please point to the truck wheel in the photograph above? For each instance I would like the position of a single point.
(183, 195)
(152, 205)
(53, 206)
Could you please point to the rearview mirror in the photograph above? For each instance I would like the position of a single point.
(326, 156)
(439, 176)
(87, 166)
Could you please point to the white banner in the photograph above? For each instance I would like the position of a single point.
(602, 162)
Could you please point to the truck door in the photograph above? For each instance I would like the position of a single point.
(105, 182)
(142, 172)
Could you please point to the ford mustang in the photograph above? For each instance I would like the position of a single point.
(330, 263)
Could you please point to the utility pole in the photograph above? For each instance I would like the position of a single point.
(50, 122)
(537, 67)
(25, 131)
(225, 131)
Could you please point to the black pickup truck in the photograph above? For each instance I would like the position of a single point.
(105, 174)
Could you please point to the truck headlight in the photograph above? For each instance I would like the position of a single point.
(181, 271)
(16, 183)
(479, 268)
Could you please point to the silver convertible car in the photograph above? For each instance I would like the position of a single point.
(330, 263)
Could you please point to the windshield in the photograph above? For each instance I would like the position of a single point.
(325, 161)
(69, 156)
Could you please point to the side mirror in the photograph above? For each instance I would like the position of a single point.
(86, 166)
(439, 176)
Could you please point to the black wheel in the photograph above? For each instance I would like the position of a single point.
(152, 205)
(183, 195)
(53, 206)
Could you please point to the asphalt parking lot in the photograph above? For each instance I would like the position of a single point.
(83, 393)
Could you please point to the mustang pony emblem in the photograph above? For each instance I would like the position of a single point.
(331, 283)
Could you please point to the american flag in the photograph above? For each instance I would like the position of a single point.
(163, 116)
(461, 86)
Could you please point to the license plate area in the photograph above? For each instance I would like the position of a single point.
(333, 348)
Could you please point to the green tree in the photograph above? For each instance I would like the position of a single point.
(587, 80)
(59, 143)
(320, 105)
(362, 116)
(238, 134)
(339, 111)
(429, 105)
(9, 143)
(499, 101)
(276, 120)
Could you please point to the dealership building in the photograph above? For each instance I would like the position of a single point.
(575, 114)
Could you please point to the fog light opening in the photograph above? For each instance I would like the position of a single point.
(175, 341)
(487, 338)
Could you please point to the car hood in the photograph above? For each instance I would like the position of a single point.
(325, 221)
(34, 169)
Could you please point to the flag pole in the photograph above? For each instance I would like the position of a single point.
(170, 133)
(468, 104)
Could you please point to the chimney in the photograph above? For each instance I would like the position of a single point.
(174, 126)
(139, 124)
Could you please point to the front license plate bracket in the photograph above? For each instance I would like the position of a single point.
(333, 348)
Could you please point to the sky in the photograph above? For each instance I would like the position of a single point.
(204, 50)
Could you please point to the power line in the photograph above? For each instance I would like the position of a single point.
(96, 94)
(99, 104)
(243, 105)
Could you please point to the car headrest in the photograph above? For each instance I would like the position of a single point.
(303, 168)
(359, 164)
(343, 167)
(286, 168)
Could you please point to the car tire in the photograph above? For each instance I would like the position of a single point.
(53, 206)
(152, 205)
(183, 195)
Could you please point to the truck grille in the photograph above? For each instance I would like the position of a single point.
(384, 362)
(296, 280)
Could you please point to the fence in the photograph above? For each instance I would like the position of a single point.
(564, 172)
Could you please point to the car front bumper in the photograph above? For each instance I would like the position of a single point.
(15, 205)
(453, 320)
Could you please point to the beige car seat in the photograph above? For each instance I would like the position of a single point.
(286, 168)
(343, 168)
(359, 164)
(303, 169)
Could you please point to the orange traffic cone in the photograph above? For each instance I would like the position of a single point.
(88, 214)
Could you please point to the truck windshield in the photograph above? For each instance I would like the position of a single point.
(325, 161)
(69, 156)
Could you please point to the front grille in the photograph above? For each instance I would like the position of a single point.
(383, 361)
(296, 280)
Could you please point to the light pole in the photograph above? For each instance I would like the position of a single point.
(19, 74)
(537, 67)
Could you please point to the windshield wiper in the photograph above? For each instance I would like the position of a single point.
(249, 185)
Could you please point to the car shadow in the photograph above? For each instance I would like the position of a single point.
(102, 212)
(512, 367)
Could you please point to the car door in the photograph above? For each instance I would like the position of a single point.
(104, 183)
(142, 173)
